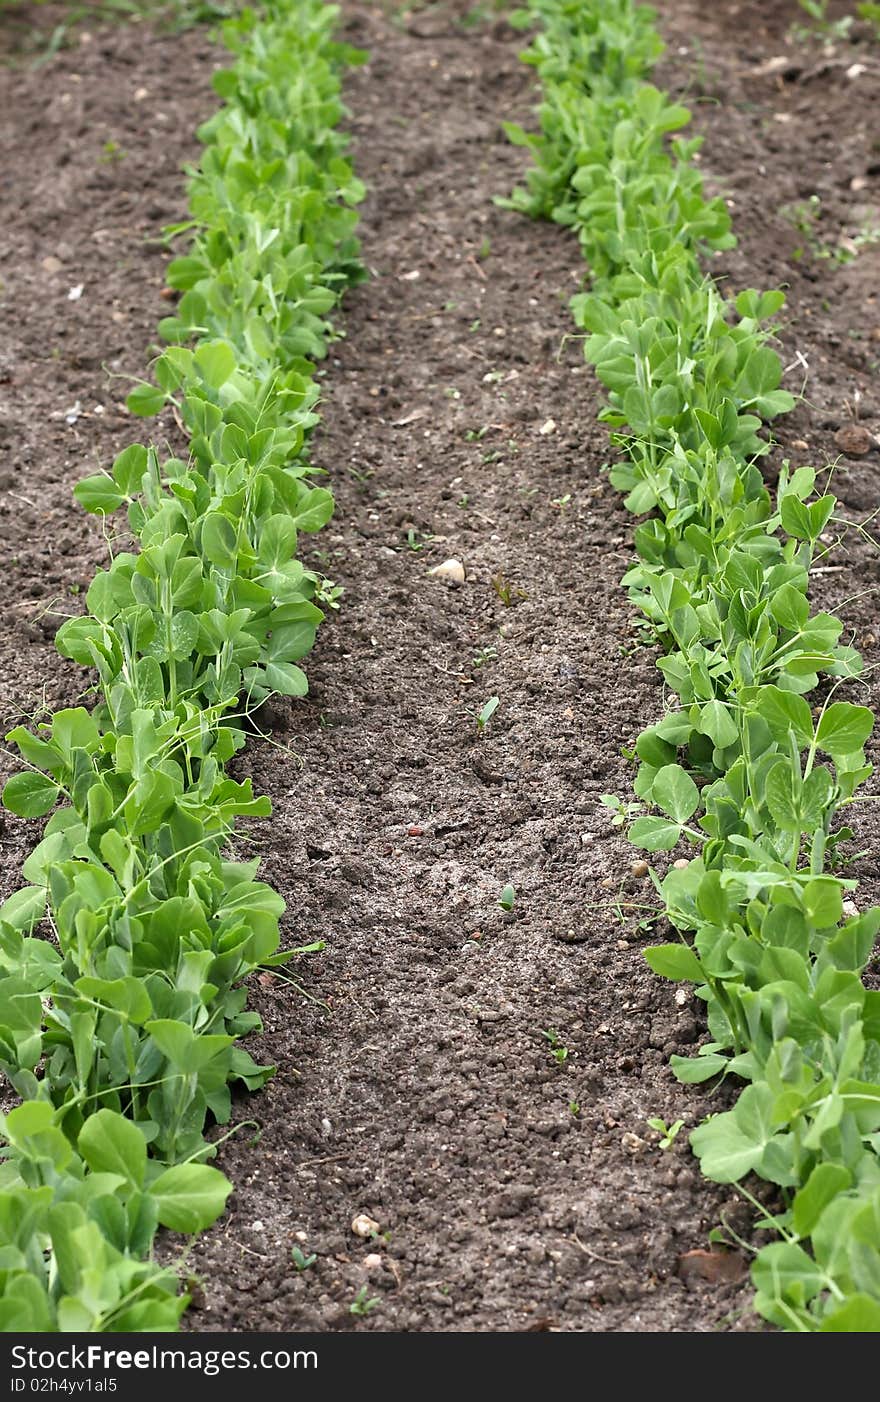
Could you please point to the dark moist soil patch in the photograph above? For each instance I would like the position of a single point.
(93, 143)
(416, 1082)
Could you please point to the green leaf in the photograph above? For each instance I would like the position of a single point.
(781, 796)
(760, 374)
(844, 728)
(30, 795)
(815, 797)
(674, 961)
(285, 678)
(802, 521)
(859, 1314)
(110, 1143)
(219, 540)
(790, 609)
(732, 1144)
(825, 1182)
(785, 713)
(784, 1271)
(693, 1070)
(129, 468)
(726, 1154)
(190, 1196)
(717, 722)
(145, 401)
(654, 834)
(186, 1050)
(277, 542)
(99, 493)
(675, 792)
(654, 750)
(24, 908)
(314, 510)
(126, 996)
(216, 360)
(822, 900)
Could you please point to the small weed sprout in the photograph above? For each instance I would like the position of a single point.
(363, 1303)
(559, 1052)
(668, 1133)
(487, 713)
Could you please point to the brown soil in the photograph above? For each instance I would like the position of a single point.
(416, 1081)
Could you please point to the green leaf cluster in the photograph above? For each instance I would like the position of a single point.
(741, 768)
(120, 1033)
(77, 1223)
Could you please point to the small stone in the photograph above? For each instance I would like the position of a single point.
(854, 440)
(587, 838)
(257, 1226)
(856, 70)
(858, 182)
(373, 1262)
(632, 1144)
(51, 264)
(140, 94)
(801, 445)
(301, 1236)
(681, 864)
(549, 426)
(450, 570)
(365, 1226)
(415, 831)
(850, 909)
(639, 868)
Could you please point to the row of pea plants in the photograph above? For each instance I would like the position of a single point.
(120, 1034)
(740, 770)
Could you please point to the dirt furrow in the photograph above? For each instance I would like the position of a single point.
(513, 1188)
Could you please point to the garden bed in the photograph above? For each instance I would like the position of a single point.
(416, 1079)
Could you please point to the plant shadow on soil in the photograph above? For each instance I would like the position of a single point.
(513, 1191)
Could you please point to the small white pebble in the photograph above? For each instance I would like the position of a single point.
(364, 1226)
